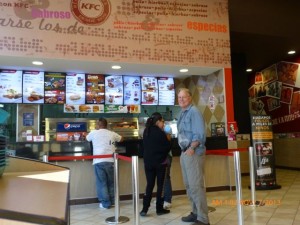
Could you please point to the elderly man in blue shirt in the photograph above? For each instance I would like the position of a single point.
(191, 139)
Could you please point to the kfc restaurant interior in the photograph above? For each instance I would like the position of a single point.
(47, 110)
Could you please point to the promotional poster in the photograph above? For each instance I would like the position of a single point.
(264, 161)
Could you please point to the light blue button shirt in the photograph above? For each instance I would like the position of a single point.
(191, 126)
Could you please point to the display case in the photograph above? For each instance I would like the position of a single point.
(126, 127)
(51, 125)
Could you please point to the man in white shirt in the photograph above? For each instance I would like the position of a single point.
(104, 141)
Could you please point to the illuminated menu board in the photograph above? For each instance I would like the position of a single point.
(33, 87)
(149, 91)
(166, 92)
(75, 88)
(113, 90)
(132, 90)
(10, 86)
(55, 88)
(94, 89)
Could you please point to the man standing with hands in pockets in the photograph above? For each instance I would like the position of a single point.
(191, 139)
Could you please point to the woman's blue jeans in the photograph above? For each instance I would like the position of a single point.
(104, 172)
(168, 184)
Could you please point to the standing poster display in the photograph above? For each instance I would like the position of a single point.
(264, 161)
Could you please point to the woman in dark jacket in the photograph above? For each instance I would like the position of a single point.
(156, 149)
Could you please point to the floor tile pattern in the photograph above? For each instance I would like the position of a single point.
(282, 207)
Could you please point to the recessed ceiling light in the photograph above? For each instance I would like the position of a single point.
(291, 52)
(183, 70)
(37, 63)
(116, 67)
(249, 70)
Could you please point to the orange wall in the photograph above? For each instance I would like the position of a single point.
(229, 95)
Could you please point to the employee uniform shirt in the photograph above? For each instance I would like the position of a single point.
(103, 141)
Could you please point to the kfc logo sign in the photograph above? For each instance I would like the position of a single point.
(91, 12)
(88, 6)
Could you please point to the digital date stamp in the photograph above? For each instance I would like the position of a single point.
(246, 202)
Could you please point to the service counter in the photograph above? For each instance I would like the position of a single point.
(287, 154)
(219, 176)
(219, 173)
(33, 192)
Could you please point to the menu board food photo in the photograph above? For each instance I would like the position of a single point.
(94, 89)
(113, 90)
(10, 86)
(55, 88)
(33, 87)
(166, 91)
(149, 91)
(132, 90)
(93, 108)
(75, 88)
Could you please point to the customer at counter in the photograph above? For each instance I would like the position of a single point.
(103, 141)
(156, 149)
(191, 138)
(168, 184)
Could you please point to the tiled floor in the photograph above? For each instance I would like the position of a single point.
(282, 207)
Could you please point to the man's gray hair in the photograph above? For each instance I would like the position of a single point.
(185, 90)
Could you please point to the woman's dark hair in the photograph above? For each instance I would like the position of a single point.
(151, 121)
